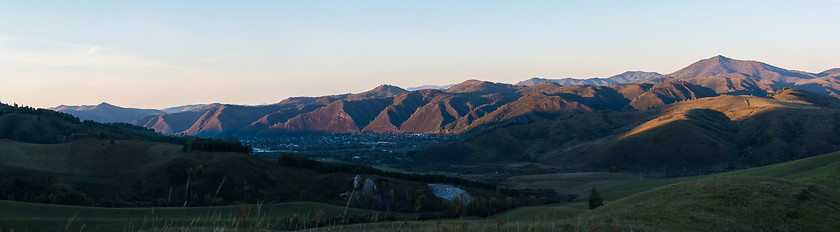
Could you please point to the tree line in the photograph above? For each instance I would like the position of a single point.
(74, 129)
(8, 109)
(214, 145)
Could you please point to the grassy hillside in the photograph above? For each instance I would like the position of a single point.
(22, 216)
(823, 170)
(138, 173)
(27, 124)
(130, 173)
(741, 203)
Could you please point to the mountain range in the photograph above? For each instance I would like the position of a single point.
(713, 133)
(825, 82)
(623, 78)
(107, 113)
(472, 104)
(438, 87)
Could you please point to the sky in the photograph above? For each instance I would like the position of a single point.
(156, 54)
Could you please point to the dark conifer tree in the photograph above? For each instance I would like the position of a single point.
(595, 199)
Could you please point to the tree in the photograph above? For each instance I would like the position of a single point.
(595, 199)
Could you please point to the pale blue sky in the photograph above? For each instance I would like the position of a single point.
(159, 53)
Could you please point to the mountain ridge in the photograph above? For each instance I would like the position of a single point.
(622, 78)
(107, 113)
(474, 104)
(711, 133)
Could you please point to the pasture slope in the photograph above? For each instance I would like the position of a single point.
(799, 195)
(24, 216)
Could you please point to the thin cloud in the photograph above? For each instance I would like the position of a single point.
(70, 54)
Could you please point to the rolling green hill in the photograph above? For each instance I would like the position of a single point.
(146, 173)
(739, 203)
(822, 170)
(138, 173)
(131, 173)
(27, 124)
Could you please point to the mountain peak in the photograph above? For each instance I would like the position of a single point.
(716, 60)
(722, 65)
(387, 87)
(380, 91)
(468, 86)
(477, 86)
(719, 58)
(104, 104)
(533, 81)
(834, 71)
(630, 76)
(474, 82)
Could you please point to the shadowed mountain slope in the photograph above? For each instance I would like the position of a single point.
(404, 106)
(668, 92)
(732, 84)
(223, 120)
(337, 117)
(173, 123)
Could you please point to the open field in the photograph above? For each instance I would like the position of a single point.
(22, 216)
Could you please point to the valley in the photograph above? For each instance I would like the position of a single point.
(413, 116)
(477, 155)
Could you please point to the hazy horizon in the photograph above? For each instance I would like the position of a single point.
(164, 54)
